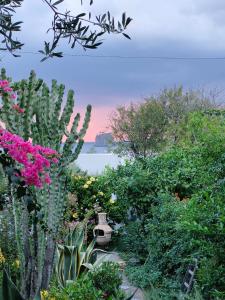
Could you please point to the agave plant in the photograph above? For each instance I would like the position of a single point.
(74, 258)
(9, 290)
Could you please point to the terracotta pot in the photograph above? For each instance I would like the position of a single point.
(102, 232)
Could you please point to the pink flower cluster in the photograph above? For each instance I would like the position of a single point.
(34, 160)
(5, 88)
(17, 108)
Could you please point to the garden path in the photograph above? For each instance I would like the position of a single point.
(126, 286)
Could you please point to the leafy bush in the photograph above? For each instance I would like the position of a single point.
(159, 294)
(107, 278)
(82, 289)
(102, 283)
(91, 193)
(131, 242)
(176, 211)
(207, 132)
(204, 218)
(139, 184)
(169, 250)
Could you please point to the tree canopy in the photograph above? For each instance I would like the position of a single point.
(143, 129)
(138, 128)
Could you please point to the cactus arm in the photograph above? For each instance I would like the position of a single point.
(67, 111)
(72, 136)
(86, 122)
(73, 156)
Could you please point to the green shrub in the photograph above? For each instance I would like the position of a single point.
(107, 278)
(84, 289)
(139, 184)
(132, 243)
(177, 199)
(207, 132)
(102, 283)
(204, 218)
(88, 195)
(169, 249)
(159, 294)
(81, 289)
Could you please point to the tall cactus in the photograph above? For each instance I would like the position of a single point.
(46, 117)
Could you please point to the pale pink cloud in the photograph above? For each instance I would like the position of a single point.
(99, 120)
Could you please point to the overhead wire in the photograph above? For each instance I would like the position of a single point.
(126, 57)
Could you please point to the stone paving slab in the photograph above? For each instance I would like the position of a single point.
(126, 286)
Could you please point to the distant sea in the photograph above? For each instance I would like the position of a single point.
(94, 159)
(89, 147)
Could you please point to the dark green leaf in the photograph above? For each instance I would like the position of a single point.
(81, 15)
(9, 290)
(128, 21)
(58, 2)
(127, 36)
(124, 19)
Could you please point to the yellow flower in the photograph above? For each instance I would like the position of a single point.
(94, 196)
(16, 263)
(101, 193)
(44, 294)
(86, 186)
(75, 215)
(89, 182)
(2, 258)
(92, 179)
(112, 201)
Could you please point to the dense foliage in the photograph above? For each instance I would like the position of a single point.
(175, 210)
(102, 283)
(88, 193)
(143, 129)
(139, 129)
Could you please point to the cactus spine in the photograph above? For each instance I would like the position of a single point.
(46, 118)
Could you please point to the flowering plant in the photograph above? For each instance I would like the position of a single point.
(6, 89)
(33, 160)
(89, 193)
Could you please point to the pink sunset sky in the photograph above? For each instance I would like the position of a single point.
(99, 121)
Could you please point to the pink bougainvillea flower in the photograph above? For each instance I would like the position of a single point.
(6, 89)
(34, 161)
(4, 83)
(13, 96)
(17, 108)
